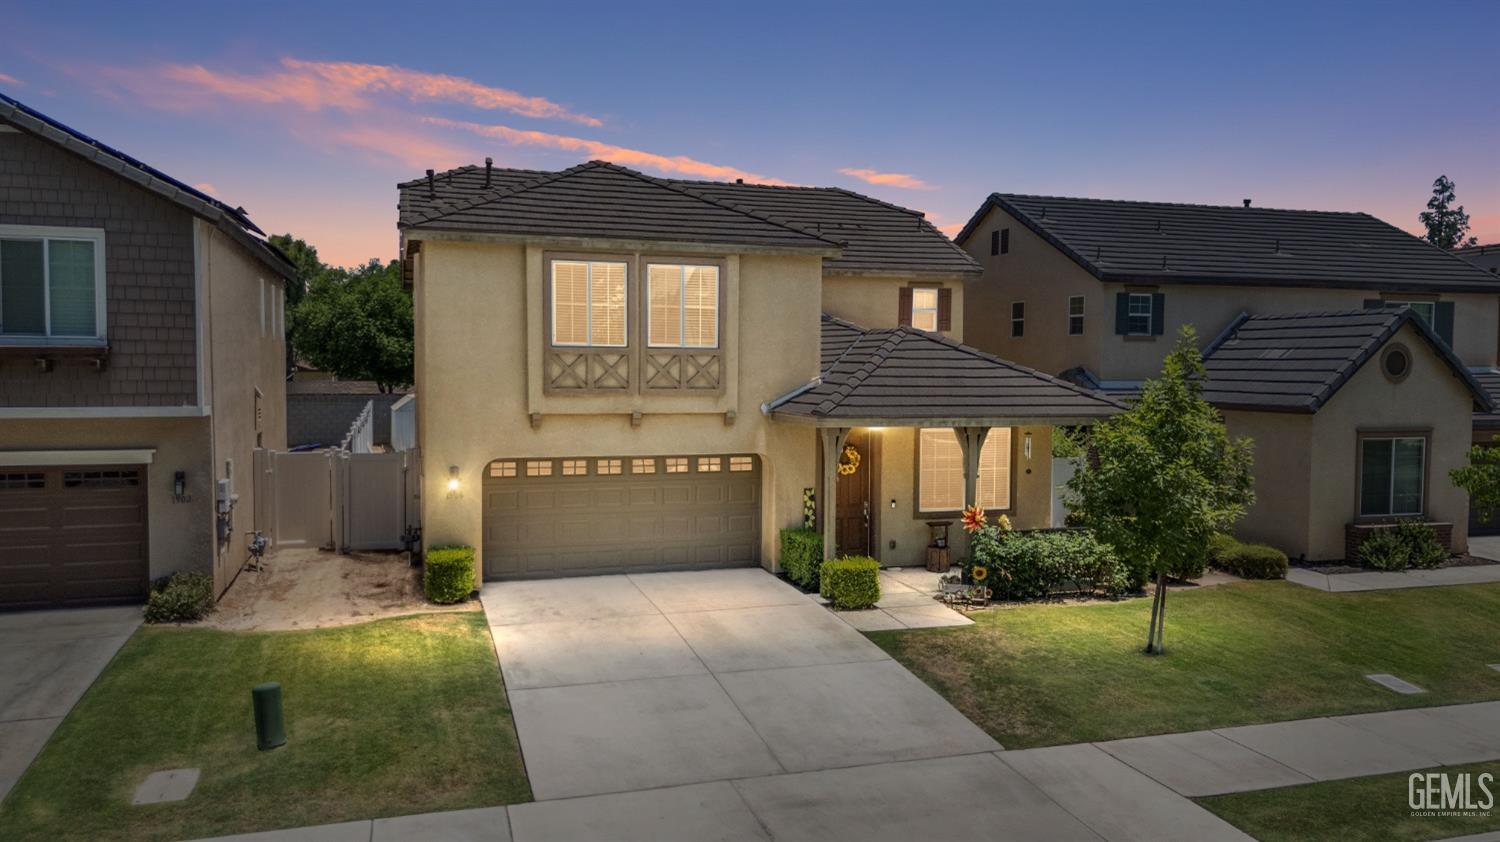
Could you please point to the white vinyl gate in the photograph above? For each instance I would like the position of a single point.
(337, 499)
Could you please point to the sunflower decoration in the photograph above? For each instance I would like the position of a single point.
(848, 461)
(978, 572)
(973, 519)
(1003, 524)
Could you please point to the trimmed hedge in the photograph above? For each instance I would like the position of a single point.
(1408, 544)
(180, 598)
(802, 556)
(1247, 561)
(448, 574)
(852, 582)
(1034, 565)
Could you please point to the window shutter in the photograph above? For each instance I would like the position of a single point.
(1158, 313)
(903, 309)
(1122, 313)
(1442, 321)
(945, 309)
(1005, 241)
(995, 242)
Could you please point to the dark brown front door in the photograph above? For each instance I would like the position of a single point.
(854, 512)
(72, 536)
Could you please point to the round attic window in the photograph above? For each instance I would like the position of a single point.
(1396, 363)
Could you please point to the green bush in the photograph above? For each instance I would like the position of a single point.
(1247, 561)
(851, 582)
(448, 574)
(1033, 565)
(802, 556)
(1384, 550)
(1407, 544)
(180, 598)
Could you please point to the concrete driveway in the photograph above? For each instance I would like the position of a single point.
(48, 659)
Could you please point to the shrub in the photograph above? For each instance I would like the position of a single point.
(1247, 561)
(802, 556)
(180, 598)
(1384, 550)
(851, 582)
(1424, 551)
(448, 574)
(1033, 565)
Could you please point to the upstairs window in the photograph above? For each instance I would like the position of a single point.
(1140, 313)
(1000, 241)
(683, 306)
(1075, 315)
(924, 308)
(588, 303)
(1018, 319)
(51, 284)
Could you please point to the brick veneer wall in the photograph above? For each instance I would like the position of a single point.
(148, 279)
(1356, 533)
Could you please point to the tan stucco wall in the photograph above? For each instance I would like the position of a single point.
(875, 301)
(239, 359)
(476, 343)
(1281, 513)
(179, 534)
(1431, 398)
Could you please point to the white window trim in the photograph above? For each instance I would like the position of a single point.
(682, 305)
(1390, 503)
(1150, 314)
(588, 286)
(1429, 317)
(937, 299)
(1082, 310)
(46, 233)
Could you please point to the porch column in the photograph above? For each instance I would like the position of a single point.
(971, 444)
(833, 439)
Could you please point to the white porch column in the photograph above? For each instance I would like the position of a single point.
(833, 439)
(971, 443)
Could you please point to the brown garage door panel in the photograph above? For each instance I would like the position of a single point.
(559, 525)
(72, 536)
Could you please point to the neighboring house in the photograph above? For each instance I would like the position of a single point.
(320, 411)
(1485, 257)
(1096, 290)
(617, 372)
(141, 364)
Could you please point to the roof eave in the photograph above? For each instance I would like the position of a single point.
(1169, 277)
(952, 274)
(417, 233)
(937, 420)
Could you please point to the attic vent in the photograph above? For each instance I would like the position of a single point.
(1275, 353)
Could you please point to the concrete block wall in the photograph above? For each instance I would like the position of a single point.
(324, 419)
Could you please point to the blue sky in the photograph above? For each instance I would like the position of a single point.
(308, 114)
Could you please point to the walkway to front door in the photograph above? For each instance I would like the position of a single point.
(726, 704)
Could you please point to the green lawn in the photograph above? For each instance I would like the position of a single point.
(1373, 808)
(390, 717)
(1248, 652)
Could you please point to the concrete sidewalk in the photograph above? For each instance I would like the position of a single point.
(1377, 580)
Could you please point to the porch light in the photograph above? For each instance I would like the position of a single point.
(1026, 446)
(453, 478)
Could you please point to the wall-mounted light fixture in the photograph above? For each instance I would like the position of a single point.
(453, 482)
(179, 484)
(1026, 446)
(893, 502)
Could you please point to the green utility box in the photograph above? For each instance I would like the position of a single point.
(270, 723)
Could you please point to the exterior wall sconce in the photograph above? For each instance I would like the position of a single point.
(1026, 450)
(453, 481)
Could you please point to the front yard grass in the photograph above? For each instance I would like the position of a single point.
(391, 717)
(1373, 808)
(1249, 652)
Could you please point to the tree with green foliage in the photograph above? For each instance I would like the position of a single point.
(1481, 479)
(1163, 477)
(305, 257)
(1447, 226)
(357, 323)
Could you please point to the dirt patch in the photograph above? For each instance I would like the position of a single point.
(310, 589)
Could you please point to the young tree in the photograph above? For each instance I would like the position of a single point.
(1446, 226)
(357, 323)
(1162, 477)
(1481, 478)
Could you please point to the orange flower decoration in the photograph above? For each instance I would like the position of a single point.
(973, 519)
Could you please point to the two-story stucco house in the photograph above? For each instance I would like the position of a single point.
(620, 372)
(1357, 415)
(141, 363)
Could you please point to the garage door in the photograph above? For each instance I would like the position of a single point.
(583, 516)
(72, 536)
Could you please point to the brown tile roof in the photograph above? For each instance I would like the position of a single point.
(1159, 242)
(895, 375)
(872, 236)
(1296, 362)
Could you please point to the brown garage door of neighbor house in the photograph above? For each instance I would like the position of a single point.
(585, 516)
(72, 536)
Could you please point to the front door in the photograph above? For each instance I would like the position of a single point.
(854, 527)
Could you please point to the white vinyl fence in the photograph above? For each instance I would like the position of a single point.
(361, 435)
(337, 499)
(404, 423)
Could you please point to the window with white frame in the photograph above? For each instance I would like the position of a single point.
(1138, 314)
(1075, 315)
(1426, 310)
(51, 284)
(940, 471)
(924, 308)
(683, 306)
(1392, 475)
(588, 303)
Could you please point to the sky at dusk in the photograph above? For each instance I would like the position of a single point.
(308, 114)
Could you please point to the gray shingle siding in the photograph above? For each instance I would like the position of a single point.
(149, 281)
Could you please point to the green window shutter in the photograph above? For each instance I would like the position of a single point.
(1442, 321)
(1158, 313)
(1122, 313)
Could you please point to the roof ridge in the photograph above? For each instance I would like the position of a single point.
(985, 355)
(499, 193)
(1315, 314)
(1195, 205)
(879, 355)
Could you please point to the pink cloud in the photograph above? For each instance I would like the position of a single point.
(206, 187)
(888, 179)
(7, 79)
(321, 85)
(674, 164)
(410, 149)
